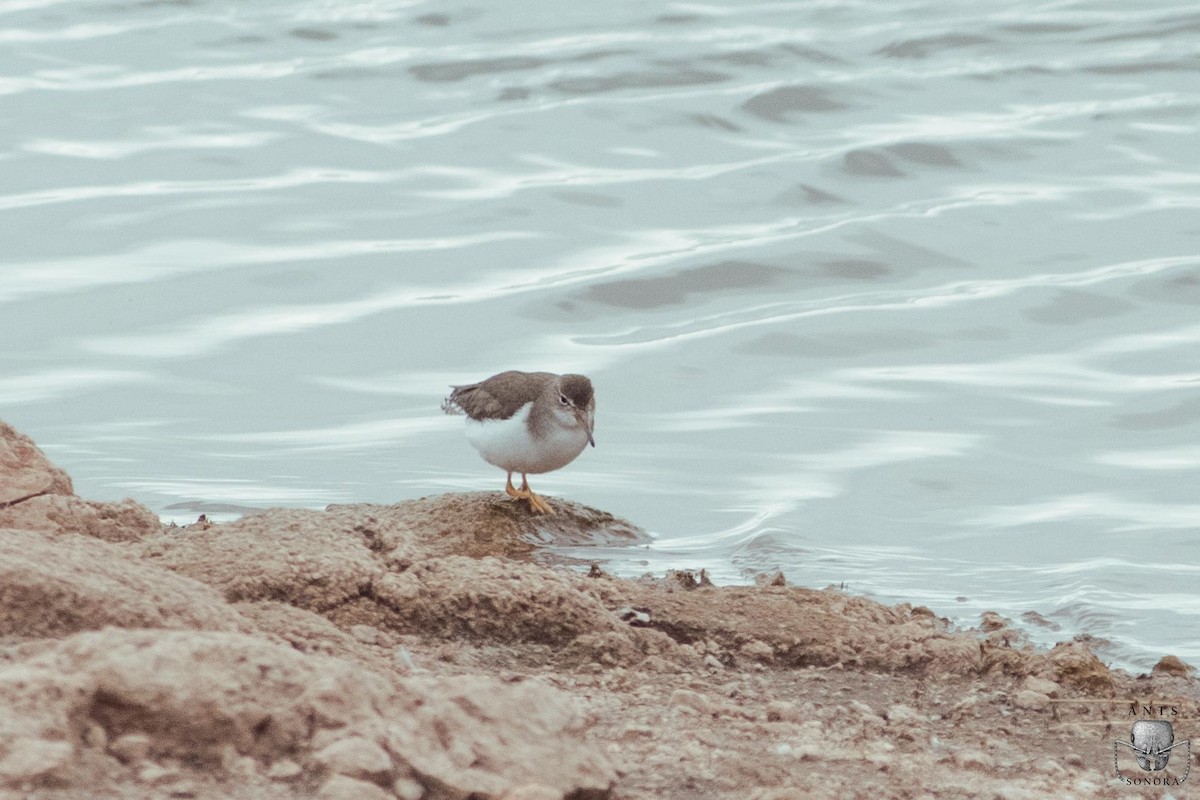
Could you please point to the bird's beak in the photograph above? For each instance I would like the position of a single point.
(588, 422)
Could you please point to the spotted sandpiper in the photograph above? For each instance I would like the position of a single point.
(527, 422)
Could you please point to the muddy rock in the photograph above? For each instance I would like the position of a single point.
(125, 521)
(1077, 666)
(1031, 701)
(1173, 665)
(435, 649)
(53, 585)
(309, 633)
(490, 598)
(481, 524)
(205, 698)
(802, 627)
(304, 558)
(25, 472)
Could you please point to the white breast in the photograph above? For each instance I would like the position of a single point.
(506, 443)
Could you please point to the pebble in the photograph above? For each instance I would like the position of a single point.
(758, 650)
(366, 634)
(1046, 687)
(182, 788)
(862, 708)
(532, 791)
(284, 769)
(784, 711)
(1031, 700)
(30, 758)
(156, 774)
(340, 787)
(355, 756)
(1051, 767)
(243, 767)
(974, 759)
(95, 736)
(900, 714)
(689, 699)
(130, 748)
(408, 789)
(632, 732)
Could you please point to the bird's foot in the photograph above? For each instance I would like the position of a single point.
(537, 503)
(511, 490)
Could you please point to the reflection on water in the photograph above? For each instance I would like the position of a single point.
(903, 298)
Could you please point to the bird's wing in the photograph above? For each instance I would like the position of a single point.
(498, 397)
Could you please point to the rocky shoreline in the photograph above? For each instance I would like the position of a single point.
(424, 651)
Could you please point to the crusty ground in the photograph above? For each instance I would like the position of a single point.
(430, 650)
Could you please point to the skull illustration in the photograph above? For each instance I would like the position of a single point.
(1152, 739)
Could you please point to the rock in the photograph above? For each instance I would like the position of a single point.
(243, 767)
(1031, 700)
(1041, 685)
(182, 788)
(125, 521)
(53, 585)
(491, 736)
(758, 651)
(767, 793)
(529, 678)
(219, 697)
(1173, 665)
(95, 736)
(974, 759)
(157, 775)
(28, 758)
(407, 788)
(131, 748)
(796, 624)
(355, 757)
(863, 709)
(1051, 767)
(479, 524)
(25, 471)
(532, 791)
(492, 599)
(304, 558)
(691, 700)
(637, 617)
(309, 632)
(784, 711)
(900, 714)
(1079, 667)
(284, 770)
(339, 787)
(367, 634)
(990, 622)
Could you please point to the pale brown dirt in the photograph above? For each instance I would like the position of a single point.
(428, 650)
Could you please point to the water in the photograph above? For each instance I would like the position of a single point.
(903, 295)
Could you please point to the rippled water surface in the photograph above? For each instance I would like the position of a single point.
(904, 295)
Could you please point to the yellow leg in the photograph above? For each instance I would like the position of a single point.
(537, 504)
(509, 490)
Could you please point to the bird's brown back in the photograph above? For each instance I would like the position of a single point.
(498, 397)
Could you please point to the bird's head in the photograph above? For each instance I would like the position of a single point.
(575, 394)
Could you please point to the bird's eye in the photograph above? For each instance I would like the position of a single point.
(562, 398)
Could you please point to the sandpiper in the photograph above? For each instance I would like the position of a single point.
(527, 422)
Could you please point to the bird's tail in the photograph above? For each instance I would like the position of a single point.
(452, 403)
